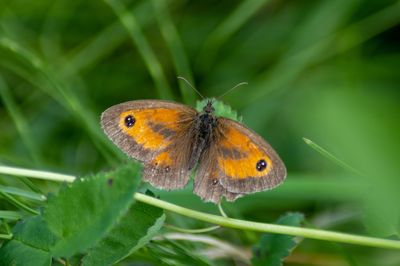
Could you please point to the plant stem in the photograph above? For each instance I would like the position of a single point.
(271, 228)
(36, 174)
(229, 222)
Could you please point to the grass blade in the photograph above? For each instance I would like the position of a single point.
(19, 121)
(331, 157)
(10, 215)
(18, 203)
(242, 13)
(31, 68)
(105, 42)
(175, 46)
(290, 67)
(22, 193)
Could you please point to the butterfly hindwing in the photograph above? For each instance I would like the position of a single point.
(246, 161)
(169, 169)
(153, 131)
(206, 182)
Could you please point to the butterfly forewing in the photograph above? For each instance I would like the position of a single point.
(156, 133)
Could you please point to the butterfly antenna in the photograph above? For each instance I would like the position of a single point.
(230, 90)
(190, 85)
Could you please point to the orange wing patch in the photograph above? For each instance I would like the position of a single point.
(239, 157)
(162, 159)
(150, 128)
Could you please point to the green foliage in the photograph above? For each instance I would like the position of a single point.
(94, 214)
(221, 109)
(17, 253)
(272, 249)
(27, 231)
(30, 245)
(135, 229)
(86, 210)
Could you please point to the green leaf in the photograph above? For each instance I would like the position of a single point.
(273, 248)
(135, 229)
(27, 231)
(84, 212)
(17, 253)
(221, 109)
(30, 245)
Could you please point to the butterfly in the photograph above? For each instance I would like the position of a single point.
(173, 139)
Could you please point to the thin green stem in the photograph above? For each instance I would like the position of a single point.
(6, 237)
(221, 210)
(232, 223)
(17, 203)
(192, 231)
(36, 174)
(271, 228)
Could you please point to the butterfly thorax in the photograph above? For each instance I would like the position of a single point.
(203, 127)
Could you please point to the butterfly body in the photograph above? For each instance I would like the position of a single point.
(203, 128)
(172, 140)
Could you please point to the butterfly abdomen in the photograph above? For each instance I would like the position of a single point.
(203, 128)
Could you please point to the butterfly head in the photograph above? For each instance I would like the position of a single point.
(208, 108)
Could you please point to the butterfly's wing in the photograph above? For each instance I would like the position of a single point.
(247, 163)
(156, 133)
(206, 182)
(228, 167)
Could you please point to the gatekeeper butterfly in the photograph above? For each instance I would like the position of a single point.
(173, 139)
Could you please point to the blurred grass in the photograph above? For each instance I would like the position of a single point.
(148, 55)
(179, 58)
(325, 70)
(19, 121)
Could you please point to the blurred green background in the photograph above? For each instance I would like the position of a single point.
(325, 70)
